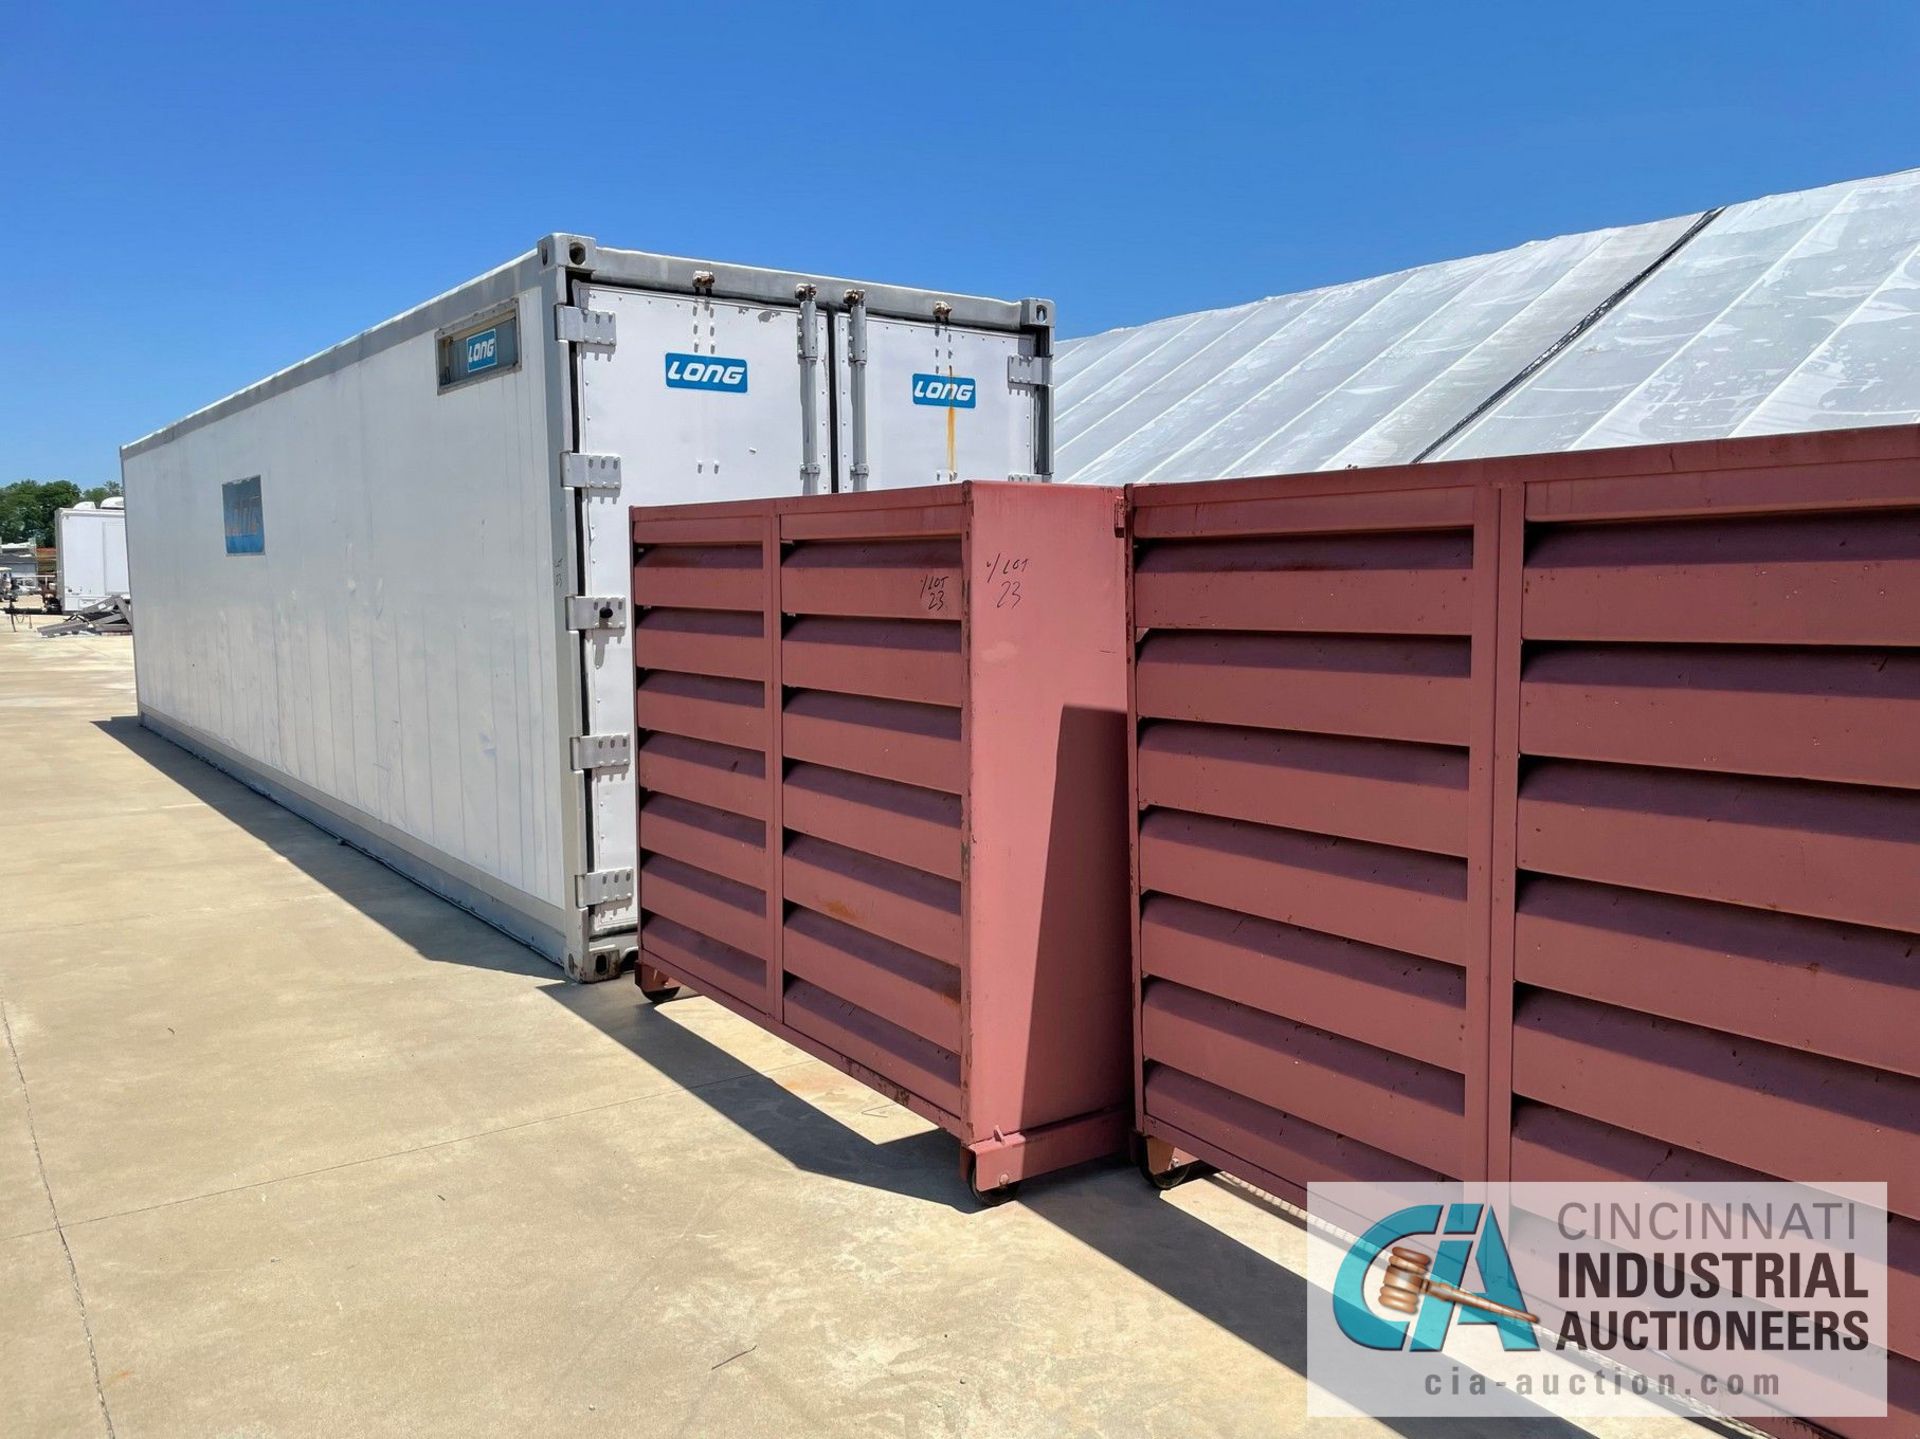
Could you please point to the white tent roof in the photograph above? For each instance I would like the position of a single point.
(1794, 312)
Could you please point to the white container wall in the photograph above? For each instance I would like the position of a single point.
(90, 550)
(386, 586)
(941, 402)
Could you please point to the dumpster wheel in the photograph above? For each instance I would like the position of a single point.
(654, 985)
(1155, 1160)
(988, 1198)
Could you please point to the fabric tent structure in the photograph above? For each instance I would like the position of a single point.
(1794, 312)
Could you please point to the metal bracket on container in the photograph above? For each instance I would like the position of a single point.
(601, 751)
(576, 326)
(602, 886)
(590, 472)
(1029, 369)
(1024, 479)
(596, 612)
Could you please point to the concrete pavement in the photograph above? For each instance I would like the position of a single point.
(290, 1147)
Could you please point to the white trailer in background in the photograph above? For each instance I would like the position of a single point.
(388, 586)
(90, 553)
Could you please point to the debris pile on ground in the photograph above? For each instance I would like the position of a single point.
(111, 616)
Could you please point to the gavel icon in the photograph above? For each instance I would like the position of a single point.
(1406, 1280)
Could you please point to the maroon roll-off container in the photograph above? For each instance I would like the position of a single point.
(1545, 818)
(881, 754)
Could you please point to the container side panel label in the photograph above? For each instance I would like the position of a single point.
(480, 354)
(483, 350)
(246, 524)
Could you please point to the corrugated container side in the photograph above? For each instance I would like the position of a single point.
(871, 653)
(880, 754)
(1310, 764)
(1548, 818)
(1711, 801)
(701, 754)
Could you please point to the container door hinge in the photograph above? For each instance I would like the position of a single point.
(596, 612)
(809, 350)
(591, 472)
(576, 326)
(1029, 369)
(602, 886)
(858, 470)
(601, 751)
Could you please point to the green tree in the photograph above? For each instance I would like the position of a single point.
(101, 492)
(27, 506)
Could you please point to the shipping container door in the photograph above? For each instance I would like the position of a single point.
(700, 399)
(69, 563)
(113, 553)
(943, 403)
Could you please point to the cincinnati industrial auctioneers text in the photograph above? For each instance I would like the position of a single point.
(1768, 1275)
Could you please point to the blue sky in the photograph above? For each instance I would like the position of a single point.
(197, 195)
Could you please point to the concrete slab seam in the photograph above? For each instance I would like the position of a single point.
(66, 1250)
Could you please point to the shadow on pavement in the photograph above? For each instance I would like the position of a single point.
(438, 930)
(1105, 1206)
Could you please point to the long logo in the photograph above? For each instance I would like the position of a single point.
(706, 372)
(948, 391)
(483, 350)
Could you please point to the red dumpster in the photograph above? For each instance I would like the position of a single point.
(881, 758)
(1545, 818)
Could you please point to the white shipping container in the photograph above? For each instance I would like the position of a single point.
(90, 554)
(388, 586)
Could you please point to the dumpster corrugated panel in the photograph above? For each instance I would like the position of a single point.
(1712, 782)
(921, 696)
(916, 744)
(1711, 801)
(701, 755)
(1309, 760)
(1715, 790)
(1608, 781)
(1553, 1145)
(872, 872)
